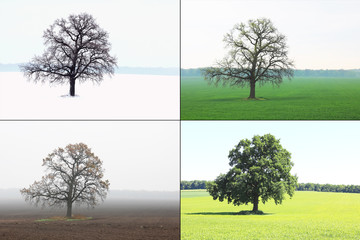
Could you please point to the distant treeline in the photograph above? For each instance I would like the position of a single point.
(201, 184)
(120, 70)
(196, 184)
(328, 188)
(354, 73)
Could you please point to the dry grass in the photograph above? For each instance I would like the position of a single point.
(60, 218)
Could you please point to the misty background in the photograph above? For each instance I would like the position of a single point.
(140, 158)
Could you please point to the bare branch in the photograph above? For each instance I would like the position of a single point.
(77, 48)
(75, 175)
(257, 53)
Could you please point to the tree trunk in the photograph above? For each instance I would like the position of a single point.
(252, 89)
(69, 210)
(72, 87)
(256, 204)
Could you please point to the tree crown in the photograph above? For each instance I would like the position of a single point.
(259, 168)
(77, 48)
(74, 175)
(257, 53)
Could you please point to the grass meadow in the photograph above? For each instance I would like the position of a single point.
(308, 215)
(297, 99)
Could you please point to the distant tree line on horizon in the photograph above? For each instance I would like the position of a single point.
(353, 73)
(328, 187)
(196, 184)
(117, 69)
(201, 184)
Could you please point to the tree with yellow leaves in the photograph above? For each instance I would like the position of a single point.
(74, 176)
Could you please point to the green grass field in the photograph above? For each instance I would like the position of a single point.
(300, 98)
(308, 215)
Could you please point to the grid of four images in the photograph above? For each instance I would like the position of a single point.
(190, 119)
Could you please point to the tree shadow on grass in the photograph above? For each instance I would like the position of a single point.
(236, 99)
(230, 213)
(258, 99)
(231, 99)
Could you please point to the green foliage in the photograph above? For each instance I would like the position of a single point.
(300, 98)
(328, 188)
(309, 215)
(201, 184)
(194, 184)
(260, 168)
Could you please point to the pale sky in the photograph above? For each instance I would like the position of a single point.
(322, 151)
(321, 34)
(143, 33)
(138, 155)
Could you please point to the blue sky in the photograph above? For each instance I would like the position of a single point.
(321, 34)
(143, 33)
(322, 151)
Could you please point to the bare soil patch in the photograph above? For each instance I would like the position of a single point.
(114, 221)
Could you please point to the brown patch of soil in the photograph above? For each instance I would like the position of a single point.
(154, 222)
(97, 228)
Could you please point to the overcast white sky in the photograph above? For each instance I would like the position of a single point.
(136, 155)
(321, 34)
(143, 33)
(322, 151)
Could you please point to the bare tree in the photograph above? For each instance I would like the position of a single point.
(258, 54)
(75, 176)
(77, 49)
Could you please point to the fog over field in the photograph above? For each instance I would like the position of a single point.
(140, 158)
(118, 202)
(123, 96)
(129, 214)
(13, 195)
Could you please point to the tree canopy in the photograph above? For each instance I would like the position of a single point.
(260, 168)
(257, 54)
(75, 175)
(77, 49)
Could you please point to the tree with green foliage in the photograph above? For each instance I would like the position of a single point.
(260, 169)
(257, 54)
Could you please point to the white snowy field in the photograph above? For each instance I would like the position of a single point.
(127, 97)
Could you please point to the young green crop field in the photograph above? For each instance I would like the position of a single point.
(308, 215)
(299, 98)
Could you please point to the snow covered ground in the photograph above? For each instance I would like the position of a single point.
(122, 96)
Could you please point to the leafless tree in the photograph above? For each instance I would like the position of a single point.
(77, 49)
(258, 54)
(74, 176)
